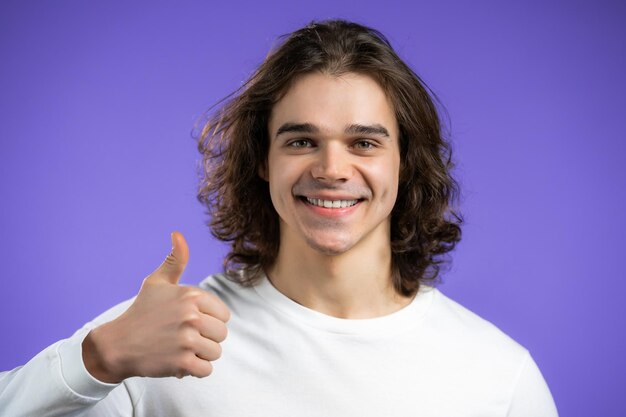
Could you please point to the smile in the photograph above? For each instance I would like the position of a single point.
(331, 203)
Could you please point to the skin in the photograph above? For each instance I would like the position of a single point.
(335, 138)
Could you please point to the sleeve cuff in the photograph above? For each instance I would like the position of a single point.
(76, 376)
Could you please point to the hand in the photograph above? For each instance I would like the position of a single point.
(169, 330)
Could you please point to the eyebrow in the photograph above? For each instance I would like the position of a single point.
(297, 128)
(375, 129)
(354, 129)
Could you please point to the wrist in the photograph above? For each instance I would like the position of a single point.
(98, 357)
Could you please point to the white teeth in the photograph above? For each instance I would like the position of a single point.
(332, 203)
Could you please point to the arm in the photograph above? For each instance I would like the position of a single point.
(532, 396)
(56, 383)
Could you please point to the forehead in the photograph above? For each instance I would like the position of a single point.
(332, 102)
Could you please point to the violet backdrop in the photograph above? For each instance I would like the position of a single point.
(97, 164)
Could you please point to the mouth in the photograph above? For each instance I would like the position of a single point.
(330, 204)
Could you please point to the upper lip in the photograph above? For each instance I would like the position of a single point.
(329, 197)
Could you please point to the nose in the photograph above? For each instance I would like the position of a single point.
(332, 164)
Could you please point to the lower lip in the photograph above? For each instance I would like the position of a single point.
(331, 212)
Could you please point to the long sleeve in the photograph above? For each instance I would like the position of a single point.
(56, 383)
(532, 396)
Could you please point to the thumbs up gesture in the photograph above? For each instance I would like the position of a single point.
(169, 330)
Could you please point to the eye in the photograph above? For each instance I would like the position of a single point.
(300, 143)
(364, 144)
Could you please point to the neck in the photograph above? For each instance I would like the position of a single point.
(356, 284)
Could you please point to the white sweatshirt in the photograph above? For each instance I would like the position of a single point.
(433, 358)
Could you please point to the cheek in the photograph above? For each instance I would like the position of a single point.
(282, 177)
(385, 177)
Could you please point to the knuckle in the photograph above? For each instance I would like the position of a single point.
(208, 369)
(170, 259)
(187, 340)
(221, 331)
(226, 314)
(192, 319)
(197, 367)
(218, 351)
(223, 312)
(191, 293)
(186, 364)
(205, 370)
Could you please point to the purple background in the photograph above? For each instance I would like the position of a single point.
(97, 165)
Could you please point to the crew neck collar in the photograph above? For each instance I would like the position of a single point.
(396, 322)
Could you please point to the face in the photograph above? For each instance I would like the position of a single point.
(333, 163)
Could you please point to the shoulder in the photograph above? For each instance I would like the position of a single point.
(228, 289)
(462, 329)
(221, 283)
(471, 352)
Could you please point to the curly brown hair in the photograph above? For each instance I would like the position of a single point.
(234, 145)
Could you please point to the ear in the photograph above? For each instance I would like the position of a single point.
(263, 173)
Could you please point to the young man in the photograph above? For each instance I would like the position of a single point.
(329, 176)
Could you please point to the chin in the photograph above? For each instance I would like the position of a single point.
(330, 247)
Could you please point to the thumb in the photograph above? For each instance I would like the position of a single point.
(173, 266)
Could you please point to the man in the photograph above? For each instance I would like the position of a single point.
(329, 176)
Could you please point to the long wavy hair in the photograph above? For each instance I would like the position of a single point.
(234, 144)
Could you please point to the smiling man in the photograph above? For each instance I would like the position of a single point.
(329, 176)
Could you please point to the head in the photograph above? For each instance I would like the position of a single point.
(235, 144)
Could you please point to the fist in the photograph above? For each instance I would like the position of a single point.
(169, 330)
